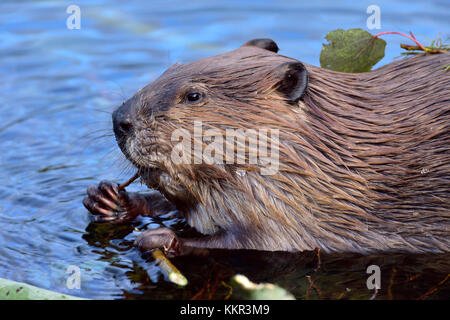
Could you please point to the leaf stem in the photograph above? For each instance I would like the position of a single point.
(412, 37)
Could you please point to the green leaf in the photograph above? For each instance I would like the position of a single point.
(11, 290)
(354, 50)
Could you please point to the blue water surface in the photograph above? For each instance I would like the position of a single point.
(57, 90)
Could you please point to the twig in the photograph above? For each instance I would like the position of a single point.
(411, 278)
(427, 49)
(347, 290)
(199, 294)
(126, 184)
(319, 262)
(391, 283)
(229, 292)
(341, 295)
(434, 289)
(169, 269)
(312, 286)
(214, 286)
(206, 289)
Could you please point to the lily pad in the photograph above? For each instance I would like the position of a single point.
(11, 290)
(354, 50)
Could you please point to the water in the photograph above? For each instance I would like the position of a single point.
(57, 90)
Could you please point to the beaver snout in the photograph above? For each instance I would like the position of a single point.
(122, 122)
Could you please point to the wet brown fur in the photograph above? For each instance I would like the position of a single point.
(364, 158)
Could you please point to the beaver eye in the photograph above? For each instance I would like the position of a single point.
(194, 97)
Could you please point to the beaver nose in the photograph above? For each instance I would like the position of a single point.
(125, 125)
(122, 123)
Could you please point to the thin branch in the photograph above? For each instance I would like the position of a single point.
(434, 289)
(126, 184)
(169, 269)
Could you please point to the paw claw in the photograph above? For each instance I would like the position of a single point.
(106, 203)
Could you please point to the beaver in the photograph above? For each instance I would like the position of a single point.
(363, 158)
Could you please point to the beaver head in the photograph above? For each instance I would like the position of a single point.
(235, 90)
(361, 160)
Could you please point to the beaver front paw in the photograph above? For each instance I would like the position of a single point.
(108, 204)
(161, 238)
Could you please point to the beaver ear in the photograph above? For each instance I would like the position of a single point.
(267, 44)
(293, 80)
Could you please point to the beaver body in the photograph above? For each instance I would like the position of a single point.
(364, 159)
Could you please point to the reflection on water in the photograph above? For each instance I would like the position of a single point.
(57, 90)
